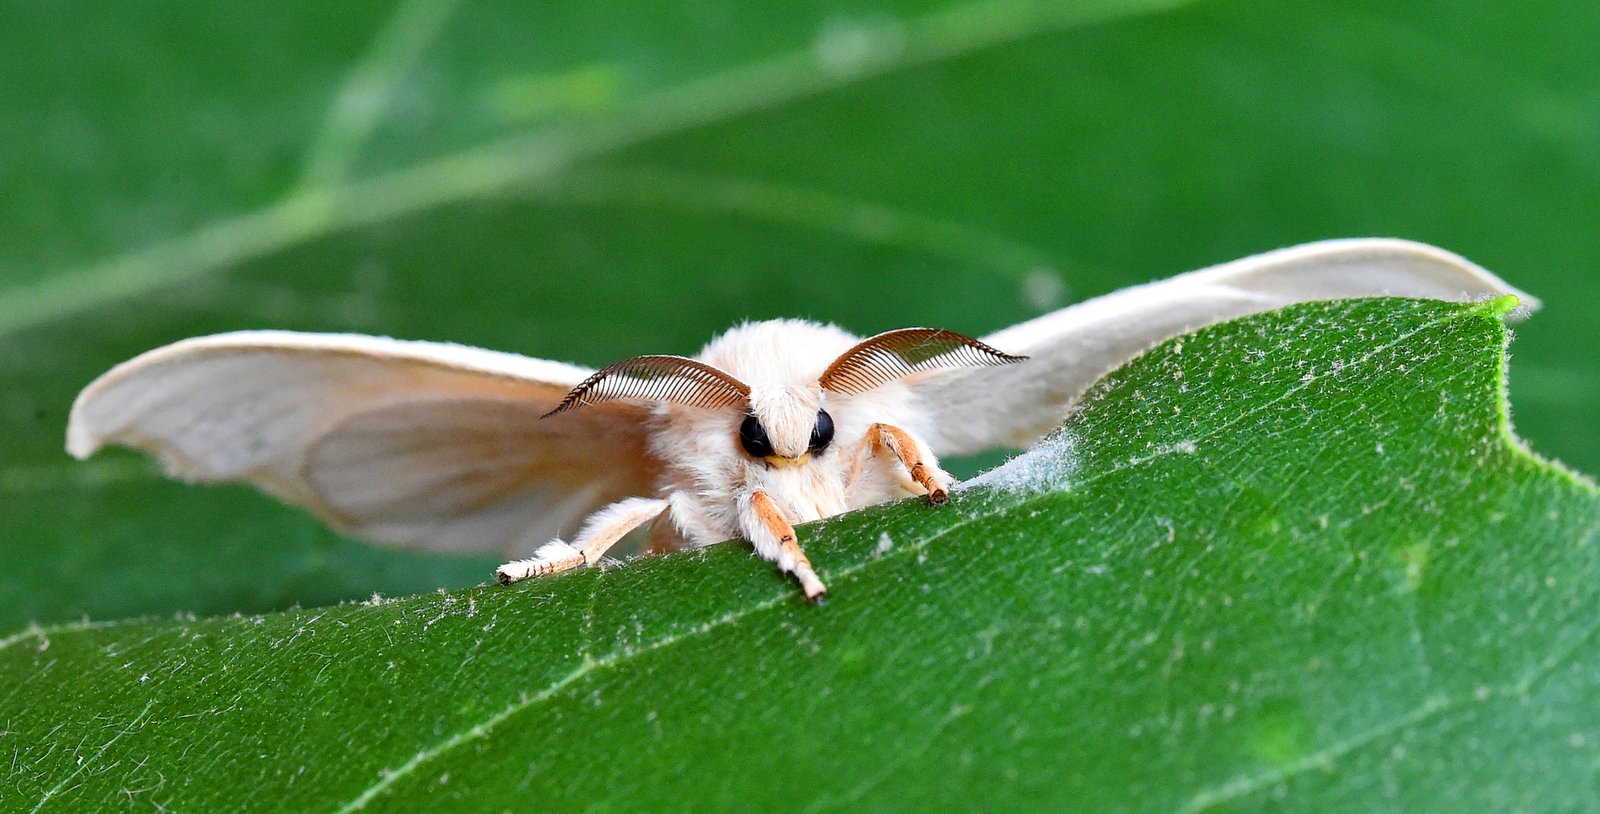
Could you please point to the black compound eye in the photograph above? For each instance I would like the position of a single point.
(822, 434)
(753, 437)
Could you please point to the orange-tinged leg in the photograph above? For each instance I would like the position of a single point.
(773, 537)
(925, 472)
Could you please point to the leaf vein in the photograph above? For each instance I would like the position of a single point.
(529, 157)
(587, 665)
(807, 208)
(136, 723)
(358, 105)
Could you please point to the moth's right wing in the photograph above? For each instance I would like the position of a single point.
(973, 409)
(422, 444)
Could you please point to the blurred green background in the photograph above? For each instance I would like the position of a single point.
(598, 180)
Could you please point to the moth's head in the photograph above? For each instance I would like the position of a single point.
(785, 425)
(792, 368)
(784, 421)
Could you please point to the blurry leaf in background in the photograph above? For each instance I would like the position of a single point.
(599, 180)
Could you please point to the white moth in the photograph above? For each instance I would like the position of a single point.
(772, 424)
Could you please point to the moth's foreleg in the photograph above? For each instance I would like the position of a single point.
(599, 533)
(919, 463)
(766, 527)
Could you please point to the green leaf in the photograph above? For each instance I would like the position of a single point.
(1294, 559)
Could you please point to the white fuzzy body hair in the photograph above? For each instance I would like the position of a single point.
(706, 475)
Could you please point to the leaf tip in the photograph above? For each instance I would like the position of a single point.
(1508, 306)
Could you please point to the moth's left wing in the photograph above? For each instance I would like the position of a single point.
(422, 444)
(969, 410)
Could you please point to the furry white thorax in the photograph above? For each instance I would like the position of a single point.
(707, 474)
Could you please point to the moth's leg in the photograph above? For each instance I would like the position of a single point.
(769, 531)
(599, 533)
(919, 463)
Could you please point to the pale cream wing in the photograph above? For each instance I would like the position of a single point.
(424, 444)
(973, 409)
